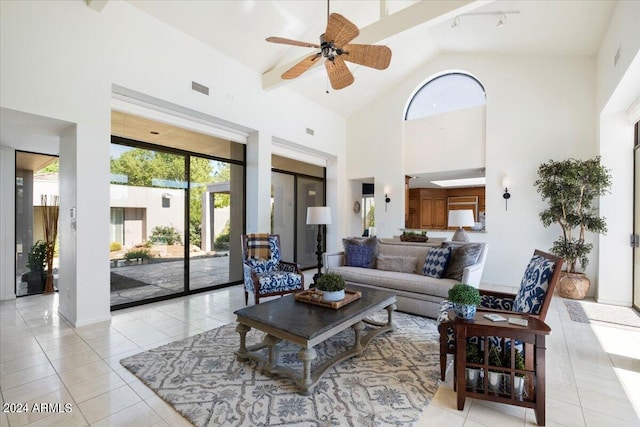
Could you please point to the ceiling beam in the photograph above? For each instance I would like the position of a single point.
(97, 5)
(431, 12)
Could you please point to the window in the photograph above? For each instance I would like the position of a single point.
(449, 92)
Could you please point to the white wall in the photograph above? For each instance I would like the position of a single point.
(618, 86)
(443, 137)
(7, 223)
(60, 60)
(538, 108)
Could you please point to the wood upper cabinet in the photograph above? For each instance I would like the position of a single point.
(431, 208)
(428, 207)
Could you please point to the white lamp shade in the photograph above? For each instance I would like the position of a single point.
(506, 182)
(461, 218)
(318, 215)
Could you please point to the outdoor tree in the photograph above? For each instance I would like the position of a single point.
(146, 168)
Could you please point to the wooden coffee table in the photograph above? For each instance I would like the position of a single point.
(308, 325)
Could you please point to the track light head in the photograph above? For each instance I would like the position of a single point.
(502, 20)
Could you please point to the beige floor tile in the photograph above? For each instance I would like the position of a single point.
(608, 405)
(75, 360)
(95, 386)
(25, 376)
(108, 403)
(160, 407)
(494, 414)
(138, 415)
(33, 390)
(434, 416)
(58, 402)
(84, 373)
(596, 419)
(178, 421)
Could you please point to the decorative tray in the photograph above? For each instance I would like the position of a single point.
(312, 296)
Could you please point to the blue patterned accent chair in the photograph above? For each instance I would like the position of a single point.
(533, 297)
(270, 276)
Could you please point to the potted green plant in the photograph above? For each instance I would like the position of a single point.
(473, 374)
(36, 276)
(570, 188)
(332, 286)
(413, 236)
(465, 298)
(519, 378)
(495, 377)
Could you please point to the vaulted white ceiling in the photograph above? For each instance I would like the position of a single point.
(416, 31)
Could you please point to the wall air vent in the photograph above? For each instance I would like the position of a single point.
(200, 88)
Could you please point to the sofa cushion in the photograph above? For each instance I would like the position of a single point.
(436, 262)
(395, 281)
(534, 285)
(358, 255)
(417, 251)
(403, 264)
(461, 256)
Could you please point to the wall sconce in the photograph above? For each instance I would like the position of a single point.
(386, 201)
(506, 183)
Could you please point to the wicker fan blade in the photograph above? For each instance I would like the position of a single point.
(373, 56)
(340, 30)
(339, 74)
(282, 40)
(301, 66)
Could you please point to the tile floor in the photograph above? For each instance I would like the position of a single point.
(593, 372)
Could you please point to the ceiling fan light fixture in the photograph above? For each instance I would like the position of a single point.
(502, 20)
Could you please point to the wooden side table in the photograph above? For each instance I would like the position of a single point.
(532, 338)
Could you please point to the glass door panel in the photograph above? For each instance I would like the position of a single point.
(310, 192)
(636, 226)
(147, 201)
(215, 222)
(283, 212)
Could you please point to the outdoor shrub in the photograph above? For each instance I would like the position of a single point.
(165, 235)
(115, 246)
(137, 254)
(37, 256)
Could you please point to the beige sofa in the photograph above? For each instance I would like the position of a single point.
(416, 293)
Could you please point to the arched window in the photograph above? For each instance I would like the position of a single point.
(448, 92)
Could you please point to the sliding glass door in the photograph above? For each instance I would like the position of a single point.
(176, 220)
(148, 192)
(295, 187)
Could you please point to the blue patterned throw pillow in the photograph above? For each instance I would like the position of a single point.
(359, 255)
(436, 262)
(534, 285)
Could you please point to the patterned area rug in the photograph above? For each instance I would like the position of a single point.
(389, 384)
(606, 315)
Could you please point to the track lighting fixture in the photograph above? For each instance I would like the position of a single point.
(502, 17)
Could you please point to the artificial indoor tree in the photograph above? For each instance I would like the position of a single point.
(570, 187)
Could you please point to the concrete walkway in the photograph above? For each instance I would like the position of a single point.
(165, 278)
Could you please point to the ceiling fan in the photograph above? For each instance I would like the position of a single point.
(335, 48)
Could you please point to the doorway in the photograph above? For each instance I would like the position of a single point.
(36, 176)
(636, 218)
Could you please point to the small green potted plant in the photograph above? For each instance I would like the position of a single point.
(473, 374)
(332, 286)
(36, 261)
(495, 377)
(465, 298)
(518, 379)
